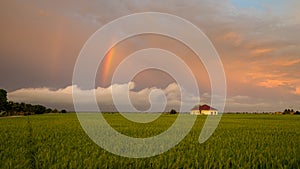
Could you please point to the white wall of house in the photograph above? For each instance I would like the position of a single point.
(205, 112)
(195, 112)
(209, 112)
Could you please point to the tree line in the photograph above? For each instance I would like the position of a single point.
(10, 108)
(291, 111)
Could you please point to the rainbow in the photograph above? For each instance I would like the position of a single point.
(107, 63)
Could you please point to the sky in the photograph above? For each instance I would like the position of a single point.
(258, 42)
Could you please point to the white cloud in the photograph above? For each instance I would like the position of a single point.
(140, 99)
(62, 98)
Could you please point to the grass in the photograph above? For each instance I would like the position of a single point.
(240, 141)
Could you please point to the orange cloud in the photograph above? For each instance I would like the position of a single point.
(273, 83)
(286, 63)
(297, 91)
(259, 75)
(234, 37)
(262, 50)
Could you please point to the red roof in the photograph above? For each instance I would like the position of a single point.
(203, 107)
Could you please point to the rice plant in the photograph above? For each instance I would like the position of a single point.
(240, 141)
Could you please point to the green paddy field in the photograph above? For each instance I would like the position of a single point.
(240, 141)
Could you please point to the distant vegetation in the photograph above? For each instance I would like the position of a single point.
(286, 111)
(10, 108)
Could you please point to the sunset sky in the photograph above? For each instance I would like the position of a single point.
(258, 42)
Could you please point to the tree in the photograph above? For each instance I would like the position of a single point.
(14, 108)
(173, 111)
(54, 111)
(48, 110)
(287, 111)
(39, 109)
(9, 106)
(3, 100)
(297, 113)
(63, 111)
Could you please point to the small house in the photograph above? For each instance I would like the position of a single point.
(204, 110)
